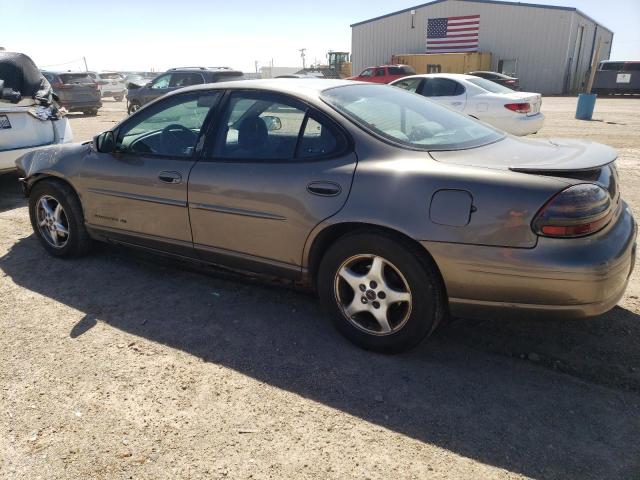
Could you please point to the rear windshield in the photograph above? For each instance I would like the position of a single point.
(403, 70)
(489, 86)
(408, 119)
(75, 78)
(111, 76)
(615, 66)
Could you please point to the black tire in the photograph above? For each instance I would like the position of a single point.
(92, 112)
(118, 98)
(427, 296)
(133, 106)
(78, 242)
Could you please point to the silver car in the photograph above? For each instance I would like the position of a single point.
(394, 209)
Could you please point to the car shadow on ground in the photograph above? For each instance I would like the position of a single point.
(499, 411)
(10, 193)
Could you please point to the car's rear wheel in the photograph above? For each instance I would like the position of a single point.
(118, 98)
(383, 293)
(57, 219)
(92, 112)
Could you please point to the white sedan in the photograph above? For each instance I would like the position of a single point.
(514, 112)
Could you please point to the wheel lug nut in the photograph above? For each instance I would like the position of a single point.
(364, 300)
(362, 287)
(373, 284)
(382, 295)
(376, 304)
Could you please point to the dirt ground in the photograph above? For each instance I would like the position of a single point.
(121, 365)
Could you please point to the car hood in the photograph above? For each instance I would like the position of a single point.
(532, 155)
(52, 159)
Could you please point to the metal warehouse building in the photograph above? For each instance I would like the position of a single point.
(548, 47)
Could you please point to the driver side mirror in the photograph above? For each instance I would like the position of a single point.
(273, 123)
(105, 142)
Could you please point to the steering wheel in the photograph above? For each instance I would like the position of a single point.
(170, 138)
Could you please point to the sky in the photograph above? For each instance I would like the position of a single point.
(156, 35)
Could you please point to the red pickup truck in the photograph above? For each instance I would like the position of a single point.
(384, 73)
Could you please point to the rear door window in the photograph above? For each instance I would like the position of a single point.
(442, 87)
(380, 72)
(261, 126)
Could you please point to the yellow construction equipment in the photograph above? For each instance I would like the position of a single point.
(445, 62)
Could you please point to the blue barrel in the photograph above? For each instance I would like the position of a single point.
(586, 104)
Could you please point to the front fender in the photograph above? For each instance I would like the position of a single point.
(62, 161)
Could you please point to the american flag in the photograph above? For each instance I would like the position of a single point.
(453, 34)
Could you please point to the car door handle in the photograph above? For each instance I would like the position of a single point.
(456, 103)
(324, 189)
(170, 177)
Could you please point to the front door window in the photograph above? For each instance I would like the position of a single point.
(161, 82)
(170, 128)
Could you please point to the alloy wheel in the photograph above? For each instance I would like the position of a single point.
(373, 294)
(53, 223)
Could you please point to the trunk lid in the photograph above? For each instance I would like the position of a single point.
(20, 129)
(532, 155)
(577, 160)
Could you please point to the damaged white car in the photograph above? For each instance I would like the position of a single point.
(29, 116)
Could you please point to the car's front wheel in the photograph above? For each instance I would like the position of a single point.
(382, 292)
(134, 106)
(57, 219)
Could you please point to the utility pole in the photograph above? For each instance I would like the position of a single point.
(86, 69)
(302, 55)
(594, 66)
(256, 64)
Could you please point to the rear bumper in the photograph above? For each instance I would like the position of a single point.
(71, 106)
(559, 278)
(519, 124)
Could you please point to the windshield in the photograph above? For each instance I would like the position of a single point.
(408, 119)
(489, 86)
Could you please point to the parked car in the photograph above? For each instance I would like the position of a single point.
(517, 113)
(110, 84)
(175, 78)
(384, 73)
(76, 91)
(443, 213)
(615, 77)
(505, 80)
(29, 118)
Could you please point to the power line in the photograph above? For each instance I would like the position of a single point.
(63, 63)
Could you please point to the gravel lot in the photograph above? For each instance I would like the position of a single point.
(123, 365)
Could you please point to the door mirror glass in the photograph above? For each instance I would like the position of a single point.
(272, 122)
(105, 142)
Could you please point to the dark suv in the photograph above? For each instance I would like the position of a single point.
(175, 78)
(76, 91)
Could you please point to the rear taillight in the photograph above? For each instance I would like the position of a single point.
(60, 86)
(518, 107)
(577, 211)
(510, 81)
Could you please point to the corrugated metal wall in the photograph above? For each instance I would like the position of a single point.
(538, 38)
